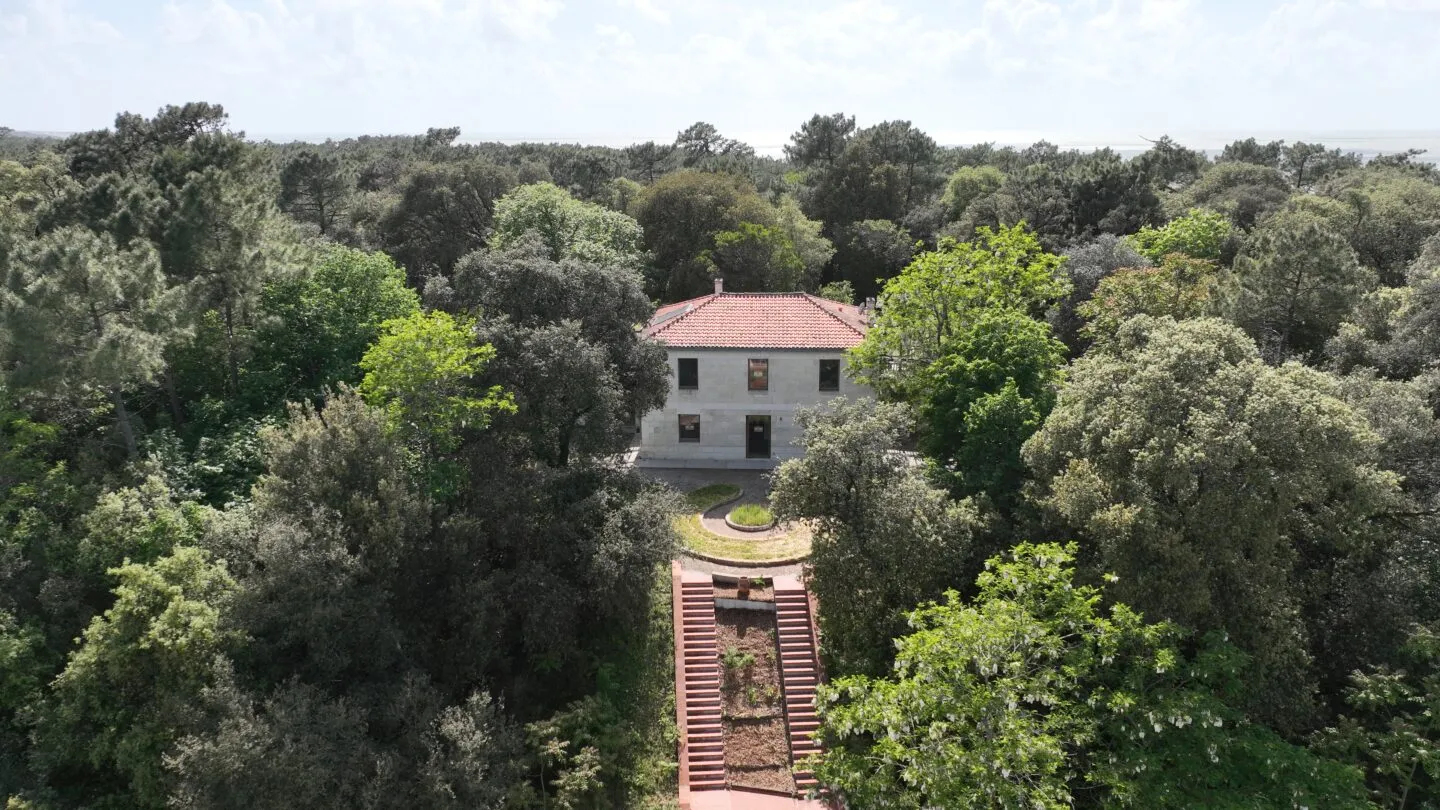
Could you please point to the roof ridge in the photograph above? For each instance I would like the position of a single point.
(814, 302)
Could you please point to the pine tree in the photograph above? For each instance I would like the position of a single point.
(81, 314)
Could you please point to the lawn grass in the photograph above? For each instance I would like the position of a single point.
(709, 496)
(751, 514)
(696, 538)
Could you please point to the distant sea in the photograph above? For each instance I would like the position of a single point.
(1367, 143)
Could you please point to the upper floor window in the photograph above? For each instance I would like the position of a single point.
(759, 379)
(689, 375)
(829, 375)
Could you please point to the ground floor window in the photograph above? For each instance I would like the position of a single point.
(689, 427)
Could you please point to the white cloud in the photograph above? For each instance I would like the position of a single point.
(755, 68)
(648, 9)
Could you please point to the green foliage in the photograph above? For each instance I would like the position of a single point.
(757, 258)
(1292, 285)
(1199, 234)
(943, 293)
(316, 327)
(567, 227)
(1395, 330)
(315, 188)
(567, 348)
(884, 538)
(387, 633)
(1244, 192)
(1036, 696)
(883, 172)
(821, 140)
(1393, 725)
(135, 525)
(1386, 216)
(968, 184)
(629, 724)
(444, 212)
(1171, 165)
(1215, 486)
(420, 371)
(813, 249)
(871, 251)
(984, 397)
(840, 291)
(132, 686)
(80, 315)
(751, 514)
(1179, 288)
(734, 660)
(681, 213)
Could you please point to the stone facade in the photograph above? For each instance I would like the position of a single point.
(726, 407)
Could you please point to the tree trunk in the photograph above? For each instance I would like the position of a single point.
(230, 348)
(122, 416)
(177, 414)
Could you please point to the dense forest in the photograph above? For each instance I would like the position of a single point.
(308, 493)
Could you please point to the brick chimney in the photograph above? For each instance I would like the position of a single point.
(719, 285)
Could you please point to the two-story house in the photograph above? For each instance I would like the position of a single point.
(741, 364)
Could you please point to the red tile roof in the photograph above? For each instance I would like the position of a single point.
(758, 321)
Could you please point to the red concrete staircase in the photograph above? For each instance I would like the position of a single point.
(697, 694)
(799, 670)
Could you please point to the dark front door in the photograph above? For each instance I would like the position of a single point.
(757, 437)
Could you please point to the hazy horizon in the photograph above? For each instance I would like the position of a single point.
(1368, 144)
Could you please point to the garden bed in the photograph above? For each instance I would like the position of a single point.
(757, 749)
(750, 517)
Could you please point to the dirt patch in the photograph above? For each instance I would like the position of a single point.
(757, 750)
(758, 593)
(745, 642)
(752, 750)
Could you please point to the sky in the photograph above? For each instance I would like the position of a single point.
(621, 71)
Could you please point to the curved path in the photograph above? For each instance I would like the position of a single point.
(706, 567)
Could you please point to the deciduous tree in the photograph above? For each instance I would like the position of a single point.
(315, 326)
(567, 227)
(984, 397)
(1215, 486)
(884, 538)
(1035, 695)
(944, 292)
(131, 688)
(444, 212)
(681, 213)
(1199, 234)
(1179, 288)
